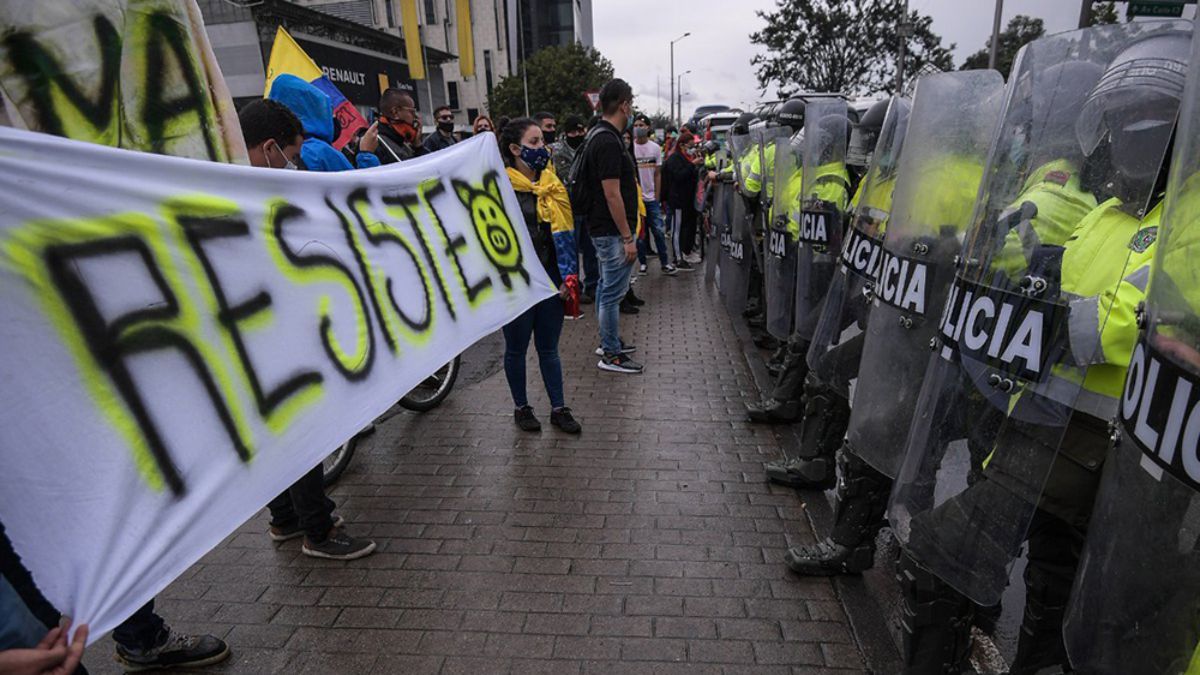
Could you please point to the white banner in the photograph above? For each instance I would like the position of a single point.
(181, 340)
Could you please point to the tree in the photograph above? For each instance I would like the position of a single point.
(558, 78)
(1020, 31)
(846, 46)
(1103, 13)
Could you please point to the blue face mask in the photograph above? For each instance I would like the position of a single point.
(536, 158)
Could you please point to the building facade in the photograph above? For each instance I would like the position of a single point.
(359, 44)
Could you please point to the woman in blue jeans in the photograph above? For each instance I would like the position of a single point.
(547, 212)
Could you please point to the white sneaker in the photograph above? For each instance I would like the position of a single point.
(642, 270)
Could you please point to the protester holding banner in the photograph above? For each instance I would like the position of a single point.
(315, 111)
(547, 213)
(481, 124)
(302, 510)
(399, 128)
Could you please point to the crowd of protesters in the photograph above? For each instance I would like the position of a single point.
(598, 198)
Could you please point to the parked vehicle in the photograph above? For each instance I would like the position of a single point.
(426, 396)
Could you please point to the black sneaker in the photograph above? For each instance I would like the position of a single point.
(176, 651)
(587, 298)
(669, 270)
(338, 546)
(633, 299)
(290, 532)
(683, 265)
(562, 419)
(619, 363)
(525, 420)
(627, 308)
(626, 348)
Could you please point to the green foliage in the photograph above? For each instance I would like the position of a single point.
(1020, 31)
(1104, 13)
(847, 46)
(558, 78)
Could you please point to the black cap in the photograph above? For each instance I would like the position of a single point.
(573, 123)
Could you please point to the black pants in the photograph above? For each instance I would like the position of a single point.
(143, 630)
(687, 229)
(305, 504)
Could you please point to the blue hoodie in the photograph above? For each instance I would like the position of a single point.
(315, 111)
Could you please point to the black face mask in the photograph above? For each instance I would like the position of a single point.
(549, 136)
(445, 127)
(575, 141)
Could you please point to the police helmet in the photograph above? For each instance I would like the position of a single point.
(1132, 109)
(791, 114)
(741, 126)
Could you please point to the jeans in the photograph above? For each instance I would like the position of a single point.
(20, 629)
(654, 222)
(614, 281)
(544, 322)
(143, 630)
(591, 268)
(305, 504)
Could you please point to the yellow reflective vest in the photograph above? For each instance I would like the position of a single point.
(1061, 203)
(1105, 271)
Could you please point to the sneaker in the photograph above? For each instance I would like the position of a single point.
(587, 298)
(338, 546)
(627, 308)
(642, 270)
(290, 532)
(176, 651)
(562, 419)
(684, 266)
(693, 258)
(620, 363)
(669, 270)
(633, 299)
(525, 419)
(626, 348)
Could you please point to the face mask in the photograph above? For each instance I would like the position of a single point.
(549, 136)
(641, 132)
(445, 127)
(574, 142)
(287, 163)
(536, 158)
(406, 130)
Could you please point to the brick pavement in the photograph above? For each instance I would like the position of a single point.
(650, 544)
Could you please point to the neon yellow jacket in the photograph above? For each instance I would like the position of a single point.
(830, 183)
(751, 167)
(871, 205)
(1105, 269)
(1054, 191)
(789, 203)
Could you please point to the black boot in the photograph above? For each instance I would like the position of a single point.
(632, 298)
(822, 427)
(935, 621)
(862, 497)
(772, 411)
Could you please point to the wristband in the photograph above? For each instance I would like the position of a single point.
(627, 240)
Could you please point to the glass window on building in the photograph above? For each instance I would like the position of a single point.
(391, 12)
(452, 94)
(430, 12)
(487, 70)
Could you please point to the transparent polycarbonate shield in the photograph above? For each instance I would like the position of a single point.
(1003, 423)
(1136, 602)
(718, 222)
(953, 121)
(738, 258)
(836, 347)
(824, 198)
(779, 263)
(740, 147)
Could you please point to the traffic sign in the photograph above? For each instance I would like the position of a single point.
(1155, 8)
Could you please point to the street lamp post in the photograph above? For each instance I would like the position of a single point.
(672, 101)
(679, 87)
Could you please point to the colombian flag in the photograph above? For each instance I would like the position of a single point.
(288, 57)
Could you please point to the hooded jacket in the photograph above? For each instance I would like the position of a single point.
(315, 111)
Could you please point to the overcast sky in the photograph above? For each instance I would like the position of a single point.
(635, 35)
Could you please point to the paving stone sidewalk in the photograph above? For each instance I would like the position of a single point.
(650, 544)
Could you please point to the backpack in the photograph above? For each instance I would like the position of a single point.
(579, 195)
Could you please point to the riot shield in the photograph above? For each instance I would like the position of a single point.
(837, 343)
(779, 267)
(1136, 602)
(1015, 395)
(737, 257)
(953, 121)
(719, 223)
(824, 198)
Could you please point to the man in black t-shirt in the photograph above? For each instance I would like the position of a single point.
(608, 186)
